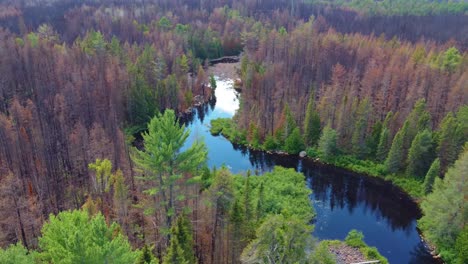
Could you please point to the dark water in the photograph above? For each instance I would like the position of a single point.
(342, 200)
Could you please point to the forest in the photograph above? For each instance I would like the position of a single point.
(93, 162)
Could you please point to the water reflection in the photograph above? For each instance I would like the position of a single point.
(342, 200)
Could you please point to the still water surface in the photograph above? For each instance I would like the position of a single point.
(342, 200)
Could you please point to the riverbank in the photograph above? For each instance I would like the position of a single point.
(409, 185)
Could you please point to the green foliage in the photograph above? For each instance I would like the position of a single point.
(384, 145)
(461, 246)
(327, 143)
(372, 142)
(75, 237)
(17, 254)
(444, 209)
(420, 155)
(451, 59)
(355, 239)
(321, 255)
(284, 193)
(279, 239)
(290, 123)
(228, 129)
(146, 256)
(394, 161)
(163, 162)
(213, 82)
(181, 238)
(270, 143)
(432, 174)
(451, 137)
(311, 123)
(164, 23)
(294, 143)
(102, 177)
(358, 142)
(402, 7)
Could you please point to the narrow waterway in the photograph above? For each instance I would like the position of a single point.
(342, 200)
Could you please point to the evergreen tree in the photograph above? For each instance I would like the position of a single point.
(461, 246)
(290, 123)
(75, 237)
(279, 240)
(174, 254)
(385, 139)
(237, 221)
(181, 244)
(373, 141)
(327, 142)
(184, 233)
(418, 120)
(311, 123)
(247, 199)
(445, 210)
(164, 164)
(432, 174)
(420, 154)
(384, 145)
(146, 256)
(16, 254)
(270, 143)
(394, 161)
(260, 202)
(358, 143)
(449, 141)
(294, 143)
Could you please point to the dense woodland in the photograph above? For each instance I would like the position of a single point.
(370, 86)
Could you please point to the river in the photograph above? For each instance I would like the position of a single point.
(342, 200)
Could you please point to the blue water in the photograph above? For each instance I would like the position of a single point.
(342, 200)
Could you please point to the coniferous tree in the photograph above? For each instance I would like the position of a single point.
(432, 174)
(395, 158)
(418, 120)
(165, 164)
(327, 142)
(16, 254)
(384, 145)
(373, 140)
(420, 154)
(294, 143)
(449, 141)
(75, 237)
(146, 256)
(444, 209)
(180, 248)
(311, 123)
(260, 202)
(358, 143)
(461, 246)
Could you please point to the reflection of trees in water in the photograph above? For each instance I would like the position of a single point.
(420, 255)
(381, 198)
(341, 189)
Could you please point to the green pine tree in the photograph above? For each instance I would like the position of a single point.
(165, 165)
(384, 145)
(394, 161)
(294, 143)
(327, 143)
(420, 154)
(431, 175)
(146, 256)
(75, 237)
(311, 123)
(445, 210)
(450, 138)
(461, 246)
